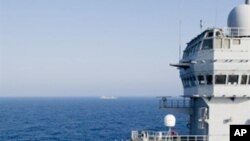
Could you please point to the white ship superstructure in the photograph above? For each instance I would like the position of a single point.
(215, 72)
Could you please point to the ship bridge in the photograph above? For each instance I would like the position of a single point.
(216, 64)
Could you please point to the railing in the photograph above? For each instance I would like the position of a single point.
(237, 32)
(175, 103)
(164, 136)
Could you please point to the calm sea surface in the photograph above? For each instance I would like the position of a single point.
(80, 119)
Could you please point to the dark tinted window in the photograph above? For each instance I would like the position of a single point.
(207, 44)
(210, 34)
(243, 79)
(233, 79)
(220, 79)
(209, 79)
(183, 83)
(249, 79)
(193, 82)
(201, 80)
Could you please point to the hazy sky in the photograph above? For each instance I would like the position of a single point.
(98, 47)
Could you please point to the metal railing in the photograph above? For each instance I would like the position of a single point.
(237, 32)
(175, 103)
(164, 136)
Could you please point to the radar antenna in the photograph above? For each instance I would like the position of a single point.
(201, 25)
(180, 40)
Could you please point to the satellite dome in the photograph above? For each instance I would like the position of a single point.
(169, 120)
(239, 19)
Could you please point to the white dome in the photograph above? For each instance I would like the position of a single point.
(239, 18)
(169, 120)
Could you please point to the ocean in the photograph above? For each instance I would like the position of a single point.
(81, 119)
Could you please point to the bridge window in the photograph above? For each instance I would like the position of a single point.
(218, 34)
(226, 43)
(187, 82)
(207, 44)
(209, 79)
(236, 41)
(218, 43)
(220, 79)
(201, 80)
(243, 79)
(193, 81)
(184, 83)
(197, 47)
(233, 79)
(210, 34)
(249, 79)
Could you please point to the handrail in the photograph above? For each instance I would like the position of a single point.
(237, 32)
(175, 103)
(160, 136)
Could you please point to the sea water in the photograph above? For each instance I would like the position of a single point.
(81, 119)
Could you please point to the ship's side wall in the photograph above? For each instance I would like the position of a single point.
(224, 112)
(233, 61)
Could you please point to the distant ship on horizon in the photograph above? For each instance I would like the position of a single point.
(108, 97)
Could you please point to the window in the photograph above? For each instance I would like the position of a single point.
(184, 83)
(233, 79)
(198, 46)
(207, 44)
(218, 34)
(249, 79)
(236, 41)
(201, 80)
(210, 34)
(193, 81)
(226, 43)
(192, 51)
(220, 79)
(209, 79)
(218, 43)
(187, 82)
(243, 79)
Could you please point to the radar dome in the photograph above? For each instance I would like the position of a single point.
(169, 120)
(239, 19)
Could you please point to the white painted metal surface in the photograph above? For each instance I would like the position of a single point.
(216, 79)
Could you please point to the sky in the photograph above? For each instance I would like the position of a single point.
(99, 47)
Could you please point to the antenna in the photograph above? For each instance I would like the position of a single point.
(180, 40)
(201, 25)
(180, 16)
